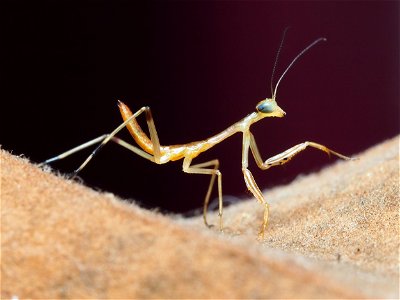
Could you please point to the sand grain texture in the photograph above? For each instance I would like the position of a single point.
(332, 234)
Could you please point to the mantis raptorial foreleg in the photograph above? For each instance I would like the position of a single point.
(255, 190)
(251, 183)
(201, 169)
(288, 154)
(279, 159)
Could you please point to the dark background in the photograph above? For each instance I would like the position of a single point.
(200, 66)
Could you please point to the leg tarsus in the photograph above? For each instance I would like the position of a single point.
(74, 150)
(264, 225)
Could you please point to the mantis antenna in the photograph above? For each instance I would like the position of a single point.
(276, 59)
(322, 39)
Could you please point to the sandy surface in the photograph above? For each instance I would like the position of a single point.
(332, 234)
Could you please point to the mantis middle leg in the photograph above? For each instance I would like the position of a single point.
(202, 169)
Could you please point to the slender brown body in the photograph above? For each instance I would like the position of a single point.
(189, 151)
(150, 148)
(176, 152)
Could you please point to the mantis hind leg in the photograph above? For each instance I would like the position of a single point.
(202, 169)
(94, 141)
(104, 139)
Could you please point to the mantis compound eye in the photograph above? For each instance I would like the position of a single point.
(266, 107)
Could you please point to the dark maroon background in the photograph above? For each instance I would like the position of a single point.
(201, 66)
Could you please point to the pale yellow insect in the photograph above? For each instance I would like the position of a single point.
(150, 148)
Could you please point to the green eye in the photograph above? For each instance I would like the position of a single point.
(266, 107)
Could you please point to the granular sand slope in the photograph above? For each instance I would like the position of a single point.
(332, 234)
(346, 218)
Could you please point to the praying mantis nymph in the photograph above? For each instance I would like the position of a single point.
(151, 149)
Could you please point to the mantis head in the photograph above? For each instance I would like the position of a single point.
(268, 107)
